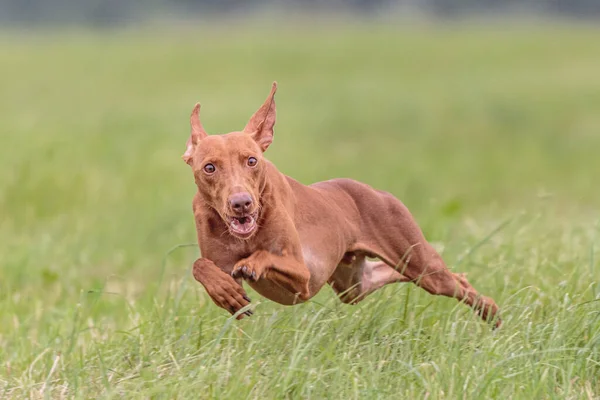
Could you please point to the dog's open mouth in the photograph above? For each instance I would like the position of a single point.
(243, 226)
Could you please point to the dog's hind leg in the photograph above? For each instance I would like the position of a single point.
(356, 277)
(401, 245)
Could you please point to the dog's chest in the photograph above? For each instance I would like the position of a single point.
(311, 259)
(230, 253)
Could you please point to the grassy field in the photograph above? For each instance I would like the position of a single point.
(490, 135)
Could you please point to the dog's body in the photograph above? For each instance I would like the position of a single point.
(288, 240)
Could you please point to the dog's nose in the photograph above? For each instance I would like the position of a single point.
(240, 202)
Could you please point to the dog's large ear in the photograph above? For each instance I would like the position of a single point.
(198, 133)
(260, 126)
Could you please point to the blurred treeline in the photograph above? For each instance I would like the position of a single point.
(106, 13)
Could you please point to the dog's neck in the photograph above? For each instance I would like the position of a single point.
(275, 190)
(270, 193)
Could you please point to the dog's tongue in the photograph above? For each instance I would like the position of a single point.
(242, 225)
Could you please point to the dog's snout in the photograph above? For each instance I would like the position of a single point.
(240, 202)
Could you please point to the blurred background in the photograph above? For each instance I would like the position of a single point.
(483, 117)
(109, 13)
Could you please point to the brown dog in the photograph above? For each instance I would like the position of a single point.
(287, 239)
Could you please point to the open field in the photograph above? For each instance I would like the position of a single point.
(489, 135)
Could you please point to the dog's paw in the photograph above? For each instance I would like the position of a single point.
(231, 298)
(246, 269)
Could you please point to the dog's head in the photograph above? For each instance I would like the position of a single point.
(229, 169)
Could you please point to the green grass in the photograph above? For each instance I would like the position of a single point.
(489, 135)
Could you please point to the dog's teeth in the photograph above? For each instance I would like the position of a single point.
(243, 225)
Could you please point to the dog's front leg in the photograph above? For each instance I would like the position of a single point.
(221, 287)
(284, 270)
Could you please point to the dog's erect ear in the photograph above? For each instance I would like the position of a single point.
(262, 122)
(198, 133)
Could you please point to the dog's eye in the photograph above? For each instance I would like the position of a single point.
(209, 168)
(252, 161)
